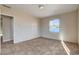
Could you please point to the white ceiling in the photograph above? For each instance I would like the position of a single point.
(49, 9)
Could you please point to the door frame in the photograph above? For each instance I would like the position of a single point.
(12, 27)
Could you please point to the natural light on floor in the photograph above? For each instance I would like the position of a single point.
(64, 45)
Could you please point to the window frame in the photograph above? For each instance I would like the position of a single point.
(49, 26)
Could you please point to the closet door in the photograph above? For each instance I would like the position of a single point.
(6, 28)
(0, 34)
(0, 27)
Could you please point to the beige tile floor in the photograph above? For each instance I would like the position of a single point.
(39, 46)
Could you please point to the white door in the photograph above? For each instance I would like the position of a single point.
(6, 28)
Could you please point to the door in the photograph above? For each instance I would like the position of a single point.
(7, 28)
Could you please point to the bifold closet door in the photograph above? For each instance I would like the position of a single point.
(0, 34)
(6, 28)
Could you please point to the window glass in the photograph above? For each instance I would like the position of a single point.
(54, 25)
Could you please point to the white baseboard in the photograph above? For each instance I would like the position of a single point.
(26, 39)
(58, 39)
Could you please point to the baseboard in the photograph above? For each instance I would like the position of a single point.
(11, 41)
(26, 39)
(58, 40)
(34, 37)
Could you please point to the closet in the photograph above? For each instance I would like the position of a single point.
(6, 28)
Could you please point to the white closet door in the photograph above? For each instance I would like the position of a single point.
(6, 28)
(0, 34)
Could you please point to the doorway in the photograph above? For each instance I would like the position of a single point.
(6, 29)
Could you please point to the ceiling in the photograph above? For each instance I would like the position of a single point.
(48, 10)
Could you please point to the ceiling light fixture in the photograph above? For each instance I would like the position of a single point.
(41, 6)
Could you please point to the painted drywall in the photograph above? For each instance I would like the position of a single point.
(78, 25)
(8, 34)
(44, 29)
(25, 27)
(6, 11)
(68, 27)
(0, 9)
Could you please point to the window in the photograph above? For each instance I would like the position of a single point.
(54, 25)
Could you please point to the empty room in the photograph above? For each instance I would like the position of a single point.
(39, 29)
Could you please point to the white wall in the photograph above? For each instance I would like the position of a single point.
(45, 29)
(6, 11)
(68, 27)
(0, 9)
(6, 23)
(25, 26)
